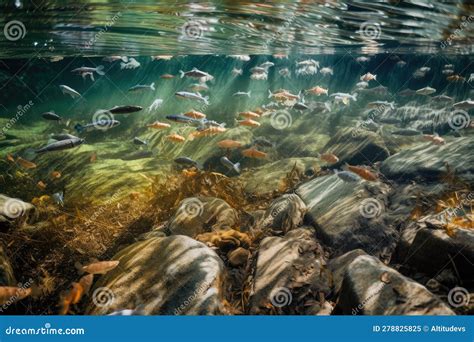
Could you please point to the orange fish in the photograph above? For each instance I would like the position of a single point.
(248, 123)
(55, 174)
(13, 294)
(254, 153)
(10, 158)
(175, 137)
(317, 91)
(207, 132)
(41, 185)
(227, 143)
(100, 267)
(26, 164)
(159, 125)
(195, 114)
(259, 111)
(167, 76)
(363, 172)
(76, 293)
(250, 115)
(189, 173)
(435, 139)
(93, 157)
(280, 55)
(455, 78)
(329, 158)
(282, 95)
(86, 282)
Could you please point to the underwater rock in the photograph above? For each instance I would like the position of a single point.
(238, 257)
(431, 163)
(284, 214)
(7, 277)
(357, 147)
(338, 267)
(371, 288)
(174, 275)
(433, 250)
(15, 212)
(349, 215)
(289, 270)
(197, 215)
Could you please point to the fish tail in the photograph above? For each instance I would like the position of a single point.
(181, 73)
(248, 93)
(237, 167)
(100, 70)
(270, 94)
(355, 96)
(152, 86)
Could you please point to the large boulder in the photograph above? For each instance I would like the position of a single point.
(357, 147)
(433, 250)
(338, 267)
(371, 288)
(284, 213)
(197, 215)
(290, 274)
(427, 162)
(349, 215)
(173, 275)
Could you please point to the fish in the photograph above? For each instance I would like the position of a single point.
(195, 114)
(362, 85)
(442, 98)
(196, 73)
(11, 294)
(262, 142)
(188, 162)
(308, 62)
(248, 123)
(111, 59)
(51, 116)
(407, 132)
(183, 119)
(285, 72)
(280, 56)
(344, 97)
(368, 77)
(63, 136)
(362, 172)
(26, 164)
(448, 66)
(375, 91)
(175, 137)
(102, 124)
(378, 104)
(242, 93)
(124, 109)
(131, 64)
(138, 141)
(158, 125)
(207, 132)
(471, 78)
(455, 78)
(86, 282)
(142, 87)
(88, 70)
(254, 153)
(401, 64)
(229, 144)
(99, 267)
(167, 76)
(317, 90)
(426, 91)
(267, 65)
(60, 145)
(155, 105)
(68, 90)
(230, 165)
(466, 104)
(406, 92)
(93, 158)
(259, 76)
(282, 94)
(249, 115)
(10, 158)
(236, 72)
(389, 121)
(58, 198)
(55, 175)
(435, 139)
(348, 176)
(243, 58)
(326, 71)
(362, 59)
(192, 96)
(300, 106)
(447, 72)
(258, 70)
(163, 57)
(197, 87)
(41, 185)
(329, 158)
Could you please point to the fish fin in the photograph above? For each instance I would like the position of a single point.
(270, 94)
(248, 93)
(152, 86)
(355, 96)
(123, 65)
(79, 128)
(181, 73)
(375, 77)
(237, 167)
(100, 70)
(92, 77)
(79, 267)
